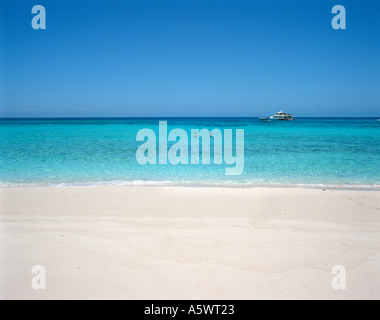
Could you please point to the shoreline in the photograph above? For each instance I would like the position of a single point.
(113, 242)
(167, 184)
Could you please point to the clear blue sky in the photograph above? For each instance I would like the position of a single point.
(189, 58)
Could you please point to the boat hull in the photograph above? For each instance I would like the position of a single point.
(281, 119)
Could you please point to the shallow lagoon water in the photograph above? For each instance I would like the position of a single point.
(307, 151)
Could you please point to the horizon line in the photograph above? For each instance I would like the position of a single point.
(172, 117)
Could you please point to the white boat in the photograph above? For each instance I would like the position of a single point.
(281, 115)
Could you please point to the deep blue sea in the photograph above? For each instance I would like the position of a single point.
(307, 151)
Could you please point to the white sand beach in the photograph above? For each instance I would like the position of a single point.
(118, 242)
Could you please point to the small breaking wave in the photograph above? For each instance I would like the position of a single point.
(224, 184)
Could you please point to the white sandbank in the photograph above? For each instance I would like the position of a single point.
(119, 242)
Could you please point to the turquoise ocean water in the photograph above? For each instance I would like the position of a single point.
(307, 151)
